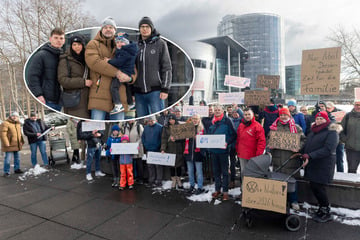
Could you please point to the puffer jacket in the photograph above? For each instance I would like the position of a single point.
(169, 146)
(223, 127)
(74, 82)
(124, 58)
(154, 65)
(11, 137)
(42, 73)
(351, 134)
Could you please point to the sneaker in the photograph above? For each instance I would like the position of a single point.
(191, 190)
(132, 107)
(99, 174)
(295, 206)
(225, 196)
(117, 109)
(18, 171)
(131, 187)
(6, 174)
(216, 194)
(121, 188)
(323, 215)
(199, 191)
(89, 177)
(113, 184)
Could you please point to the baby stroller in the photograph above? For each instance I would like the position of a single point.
(258, 167)
(58, 150)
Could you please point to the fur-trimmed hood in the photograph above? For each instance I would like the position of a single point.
(335, 127)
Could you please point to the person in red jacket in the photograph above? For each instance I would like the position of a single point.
(250, 140)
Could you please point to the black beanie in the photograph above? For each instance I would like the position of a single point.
(146, 20)
(77, 38)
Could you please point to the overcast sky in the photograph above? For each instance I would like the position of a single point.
(307, 23)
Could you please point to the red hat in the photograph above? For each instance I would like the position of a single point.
(323, 114)
(284, 111)
(125, 138)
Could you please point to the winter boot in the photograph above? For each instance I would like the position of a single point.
(173, 182)
(323, 215)
(179, 183)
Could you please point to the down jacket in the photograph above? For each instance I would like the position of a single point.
(11, 137)
(223, 127)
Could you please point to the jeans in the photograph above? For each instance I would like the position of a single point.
(340, 157)
(102, 115)
(54, 106)
(7, 161)
(148, 103)
(221, 171)
(199, 173)
(92, 153)
(42, 148)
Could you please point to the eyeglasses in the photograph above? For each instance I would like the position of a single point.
(145, 26)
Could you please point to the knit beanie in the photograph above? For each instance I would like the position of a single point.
(146, 20)
(78, 39)
(15, 114)
(291, 103)
(108, 21)
(323, 114)
(122, 38)
(284, 111)
(115, 128)
(125, 138)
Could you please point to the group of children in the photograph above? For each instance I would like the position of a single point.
(123, 163)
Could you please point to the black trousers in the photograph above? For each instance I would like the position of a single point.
(115, 86)
(319, 191)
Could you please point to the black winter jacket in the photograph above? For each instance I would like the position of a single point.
(30, 131)
(42, 73)
(125, 58)
(91, 141)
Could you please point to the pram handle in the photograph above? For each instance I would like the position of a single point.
(286, 162)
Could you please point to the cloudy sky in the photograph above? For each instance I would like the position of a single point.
(307, 23)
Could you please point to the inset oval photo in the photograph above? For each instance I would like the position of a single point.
(103, 74)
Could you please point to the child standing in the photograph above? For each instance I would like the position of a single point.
(126, 167)
(124, 60)
(114, 138)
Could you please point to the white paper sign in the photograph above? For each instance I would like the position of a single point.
(203, 111)
(124, 148)
(210, 141)
(157, 158)
(234, 81)
(90, 126)
(230, 98)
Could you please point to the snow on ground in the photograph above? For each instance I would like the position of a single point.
(78, 166)
(36, 171)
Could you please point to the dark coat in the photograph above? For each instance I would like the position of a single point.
(42, 73)
(169, 146)
(299, 119)
(31, 132)
(321, 148)
(151, 137)
(225, 127)
(91, 141)
(269, 117)
(192, 155)
(351, 134)
(124, 58)
(74, 82)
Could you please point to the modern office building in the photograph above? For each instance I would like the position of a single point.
(293, 80)
(262, 34)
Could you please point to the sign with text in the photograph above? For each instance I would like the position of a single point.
(188, 110)
(198, 85)
(338, 115)
(90, 126)
(230, 98)
(320, 71)
(182, 131)
(210, 141)
(264, 194)
(166, 159)
(268, 81)
(234, 81)
(124, 148)
(357, 93)
(257, 97)
(284, 140)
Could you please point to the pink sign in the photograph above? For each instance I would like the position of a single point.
(338, 115)
(239, 82)
(357, 93)
(230, 98)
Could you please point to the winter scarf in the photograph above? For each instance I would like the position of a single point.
(317, 128)
(186, 150)
(216, 119)
(291, 125)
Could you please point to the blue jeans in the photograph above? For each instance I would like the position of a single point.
(54, 106)
(91, 154)
(340, 157)
(102, 115)
(148, 103)
(199, 173)
(221, 171)
(7, 161)
(42, 148)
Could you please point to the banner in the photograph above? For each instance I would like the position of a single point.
(182, 131)
(124, 148)
(234, 81)
(257, 97)
(157, 158)
(230, 98)
(90, 126)
(210, 141)
(203, 111)
(320, 71)
(268, 81)
(284, 140)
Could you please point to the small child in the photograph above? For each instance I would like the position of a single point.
(126, 167)
(114, 138)
(124, 60)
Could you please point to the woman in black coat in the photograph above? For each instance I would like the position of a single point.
(319, 154)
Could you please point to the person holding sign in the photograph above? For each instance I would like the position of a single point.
(170, 145)
(268, 116)
(285, 123)
(319, 155)
(126, 167)
(114, 138)
(221, 125)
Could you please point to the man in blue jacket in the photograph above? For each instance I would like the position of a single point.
(298, 116)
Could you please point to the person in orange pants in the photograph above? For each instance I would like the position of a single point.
(126, 167)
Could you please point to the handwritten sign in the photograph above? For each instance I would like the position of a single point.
(268, 81)
(182, 131)
(210, 141)
(264, 194)
(234, 81)
(257, 97)
(90, 126)
(188, 110)
(166, 159)
(320, 71)
(124, 148)
(230, 98)
(198, 85)
(338, 115)
(357, 94)
(284, 140)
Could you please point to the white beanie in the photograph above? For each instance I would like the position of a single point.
(108, 21)
(16, 114)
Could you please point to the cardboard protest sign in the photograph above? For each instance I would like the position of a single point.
(234, 81)
(157, 158)
(284, 140)
(268, 81)
(210, 141)
(188, 110)
(338, 115)
(124, 148)
(90, 126)
(182, 131)
(264, 194)
(357, 94)
(230, 98)
(320, 71)
(257, 97)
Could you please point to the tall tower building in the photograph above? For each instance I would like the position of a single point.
(262, 35)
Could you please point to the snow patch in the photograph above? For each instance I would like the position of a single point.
(78, 166)
(36, 171)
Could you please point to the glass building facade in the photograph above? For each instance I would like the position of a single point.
(293, 79)
(262, 35)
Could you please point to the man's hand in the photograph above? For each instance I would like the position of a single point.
(41, 99)
(88, 82)
(172, 139)
(163, 96)
(305, 162)
(38, 134)
(122, 76)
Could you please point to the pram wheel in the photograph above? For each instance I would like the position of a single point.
(292, 223)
